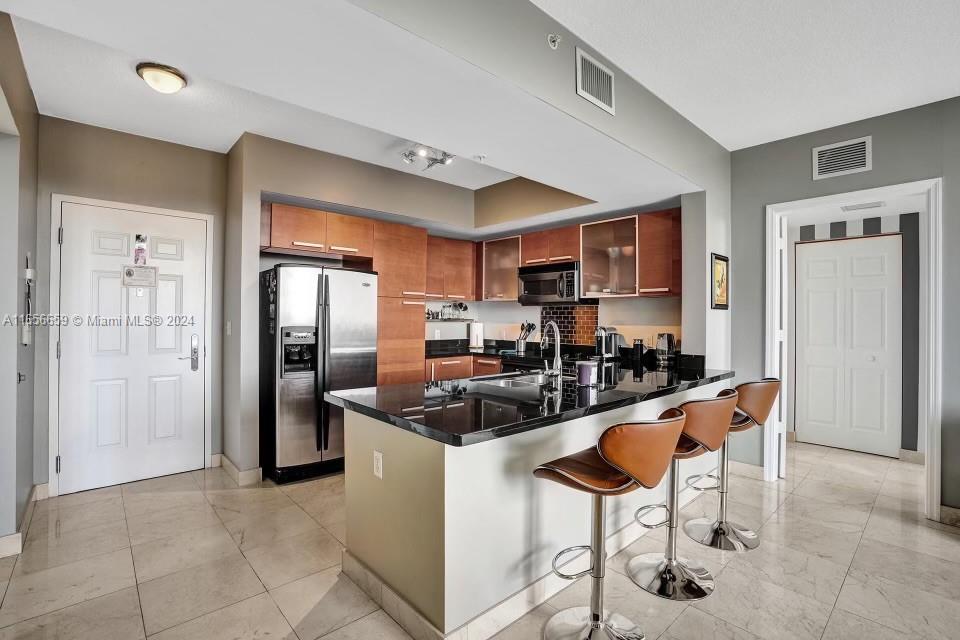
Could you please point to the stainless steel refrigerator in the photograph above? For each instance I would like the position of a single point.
(318, 332)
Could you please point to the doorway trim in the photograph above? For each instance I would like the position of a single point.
(53, 364)
(776, 338)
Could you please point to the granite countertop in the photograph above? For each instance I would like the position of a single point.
(465, 412)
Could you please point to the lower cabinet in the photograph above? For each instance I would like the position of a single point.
(400, 344)
(485, 366)
(449, 368)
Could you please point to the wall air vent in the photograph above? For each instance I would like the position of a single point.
(595, 82)
(863, 205)
(843, 158)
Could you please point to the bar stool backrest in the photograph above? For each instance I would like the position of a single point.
(757, 398)
(708, 420)
(643, 450)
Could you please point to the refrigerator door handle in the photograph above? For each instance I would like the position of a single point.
(322, 373)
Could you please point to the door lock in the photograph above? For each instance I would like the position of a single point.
(194, 356)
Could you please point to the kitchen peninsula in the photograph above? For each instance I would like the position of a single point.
(446, 524)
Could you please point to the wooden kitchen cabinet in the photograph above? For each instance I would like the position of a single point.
(549, 246)
(608, 264)
(535, 248)
(400, 340)
(564, 244)
(458, 260)
(501, 258)
(450, 269)
(486, 365)
(349, 235)
(659, 253)
(449, 368)
(400, 260)
(297, 228)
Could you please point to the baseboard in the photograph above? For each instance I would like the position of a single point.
(242, 478)
(950, 515)
(500, 616)
(791, 436)
(913, 457)
(214, 461)
(41, 491)
(11, 545)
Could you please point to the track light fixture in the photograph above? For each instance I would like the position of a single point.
(431, 156)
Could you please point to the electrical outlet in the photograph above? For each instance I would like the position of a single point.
(229, 328)
(378, 464)
(436, 334)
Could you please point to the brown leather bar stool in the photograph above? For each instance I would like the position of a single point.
(666, 574)
(627, 456)
(754, 404)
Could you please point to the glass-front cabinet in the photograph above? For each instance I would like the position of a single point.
(500, 261)
(608, 260)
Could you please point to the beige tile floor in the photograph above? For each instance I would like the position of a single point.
(846, 554)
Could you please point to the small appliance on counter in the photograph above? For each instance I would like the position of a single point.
(666, 349)
(607, 342)
(587, 373)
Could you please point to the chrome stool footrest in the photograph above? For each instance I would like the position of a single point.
(643, 511)
(572, 576)
(692, 480)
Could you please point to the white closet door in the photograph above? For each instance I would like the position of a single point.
(849, 343)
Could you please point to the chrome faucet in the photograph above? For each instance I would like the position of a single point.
(545, 341)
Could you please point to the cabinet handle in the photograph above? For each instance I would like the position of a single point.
(654, 290)
(446, 362)
(536, 260)
(416, 302)
(456, 297)
(350, 249)
(433, 371)
(562, 258)
(405, 409)
(412, 293)
(498, 295)
(453, 405)
(312, 245)
(433, 295)
(487, 361)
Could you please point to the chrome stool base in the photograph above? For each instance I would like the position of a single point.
(577, 623)
(728, 536)
(671, 579)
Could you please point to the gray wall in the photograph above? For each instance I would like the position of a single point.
(20, 240)
(9, 195)
(908, 145)
(85, 161)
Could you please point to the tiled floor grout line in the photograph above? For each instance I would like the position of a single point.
(136, 582)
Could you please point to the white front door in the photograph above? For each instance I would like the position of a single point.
(131, 402)
(849, 343)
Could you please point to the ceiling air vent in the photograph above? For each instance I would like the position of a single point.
(594, 82)
(843, 158)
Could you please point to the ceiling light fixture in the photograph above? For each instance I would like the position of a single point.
(432, 156)
(161, 78)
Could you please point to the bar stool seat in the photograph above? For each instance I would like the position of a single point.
(755, 400)
(626, 457)
(667, 575)
(587, 471)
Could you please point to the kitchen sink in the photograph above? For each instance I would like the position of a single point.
(510, 383)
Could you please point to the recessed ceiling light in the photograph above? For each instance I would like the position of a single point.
(161, 78)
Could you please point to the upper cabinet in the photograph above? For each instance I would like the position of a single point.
(300, 229)
(450, 269)
(400, 259)
(608, 265)
(458, 261)
(500, 261)
(297, 228)
(659, 253)
(349, 235)
(551, 245)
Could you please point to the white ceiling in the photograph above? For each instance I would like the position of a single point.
(326, 57)
(821, 214)
(752, 71)
(86, 82)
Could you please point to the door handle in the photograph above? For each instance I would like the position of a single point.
(194, 356)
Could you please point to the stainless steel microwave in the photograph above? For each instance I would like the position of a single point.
(549, 284)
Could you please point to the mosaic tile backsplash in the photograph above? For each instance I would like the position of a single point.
(577, 322)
